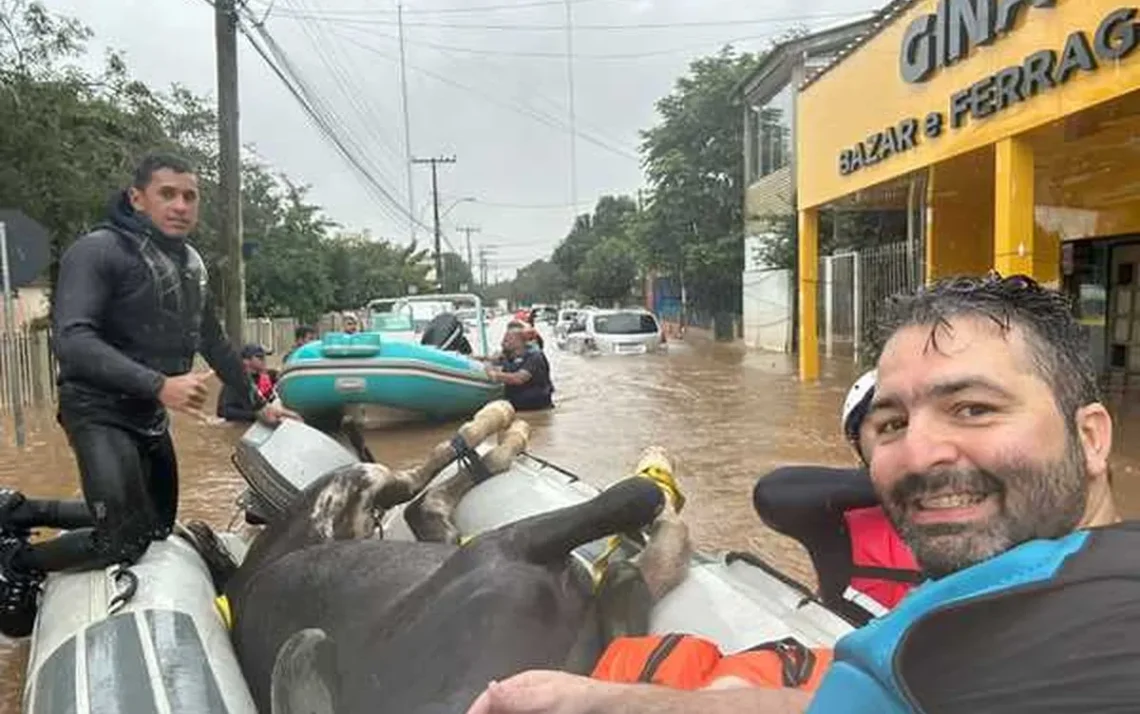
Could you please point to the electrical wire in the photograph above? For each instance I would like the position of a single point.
(560, 55)
(524, 110)
(473, 9)
(279, 64)
(519, 27)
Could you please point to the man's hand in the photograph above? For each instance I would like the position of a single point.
(544, 692)
(186, 392)
(272, 414)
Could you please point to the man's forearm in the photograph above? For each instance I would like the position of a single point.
(651, 699)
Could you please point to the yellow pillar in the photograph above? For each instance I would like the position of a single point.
(808, 291)
(1013, 208)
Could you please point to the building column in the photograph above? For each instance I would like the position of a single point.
(808, 290)
(1014, 224)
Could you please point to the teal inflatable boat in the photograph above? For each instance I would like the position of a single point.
(365, 368)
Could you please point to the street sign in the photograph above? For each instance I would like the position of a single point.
(29, 247)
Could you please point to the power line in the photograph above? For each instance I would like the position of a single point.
(274, 58)
(530, 112)
(559, 55)
(535, 94)
(518, 27)
(463, 10)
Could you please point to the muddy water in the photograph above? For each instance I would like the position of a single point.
(726, 414)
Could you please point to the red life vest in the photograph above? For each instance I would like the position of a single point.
(264, 385)
(885, 568)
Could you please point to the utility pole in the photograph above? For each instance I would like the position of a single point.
(484, 252)
(407, 126)
(229, 168)
(570, 101)
(435, 161)
(469, 230)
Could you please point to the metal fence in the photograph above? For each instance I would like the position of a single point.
(854, 286)
(28, 366)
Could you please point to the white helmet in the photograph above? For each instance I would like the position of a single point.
(855, 406)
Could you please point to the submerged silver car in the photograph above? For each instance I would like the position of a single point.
(619, 332)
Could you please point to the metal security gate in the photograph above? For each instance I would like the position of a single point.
(853, 289)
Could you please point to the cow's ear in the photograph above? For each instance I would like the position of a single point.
(305, 678)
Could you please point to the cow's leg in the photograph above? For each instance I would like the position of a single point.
(629, 590)
(405, 485)
(429, 515)
(548, 538)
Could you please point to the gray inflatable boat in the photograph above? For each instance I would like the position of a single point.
(736, 599)
(166, 650)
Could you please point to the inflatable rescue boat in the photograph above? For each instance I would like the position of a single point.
(735, 599)
(150, 638)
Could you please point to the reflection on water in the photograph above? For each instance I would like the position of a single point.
(727, 415)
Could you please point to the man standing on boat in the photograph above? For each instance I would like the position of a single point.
(131, 311)
(990, 456)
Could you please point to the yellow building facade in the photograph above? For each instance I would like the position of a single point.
(1009, 129)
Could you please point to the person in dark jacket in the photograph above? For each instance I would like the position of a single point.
(234, 404)
(131, 310)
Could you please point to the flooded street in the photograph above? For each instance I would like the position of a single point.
(726, 414)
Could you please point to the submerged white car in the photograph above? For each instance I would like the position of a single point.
(619, 332)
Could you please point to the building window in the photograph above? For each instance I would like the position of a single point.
(770, 134)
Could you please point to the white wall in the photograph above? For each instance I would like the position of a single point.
(768, 309)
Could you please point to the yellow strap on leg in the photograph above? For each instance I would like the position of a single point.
(222, 603)
(668, 484)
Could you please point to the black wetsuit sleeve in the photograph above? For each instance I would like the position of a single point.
(1071, 645)
(225, 361)
(88, 274)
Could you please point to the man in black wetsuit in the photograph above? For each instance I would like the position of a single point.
(131, 311)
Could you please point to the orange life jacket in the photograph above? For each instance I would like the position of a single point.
(691, 662)
(885, 568)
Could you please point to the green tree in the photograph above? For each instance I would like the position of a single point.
(288, 274)
(538, 282)
(608, 272)
(456, 274)
(693, 222)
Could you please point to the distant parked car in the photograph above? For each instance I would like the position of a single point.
(566, 318)
(620, 332)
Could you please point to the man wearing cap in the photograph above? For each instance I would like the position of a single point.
(234, 404)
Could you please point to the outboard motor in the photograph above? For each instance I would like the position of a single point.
(445, 331)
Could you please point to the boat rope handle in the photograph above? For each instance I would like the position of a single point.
(124, 595)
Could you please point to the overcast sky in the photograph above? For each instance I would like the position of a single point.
(487, 83)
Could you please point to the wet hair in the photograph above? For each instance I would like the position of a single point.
(1057, 346)
(303, 331)
(150, 163)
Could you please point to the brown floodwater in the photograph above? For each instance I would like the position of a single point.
(726, 414)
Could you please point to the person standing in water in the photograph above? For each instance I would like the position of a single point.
(131, 310)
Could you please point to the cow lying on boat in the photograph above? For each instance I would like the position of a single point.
(330, 617)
